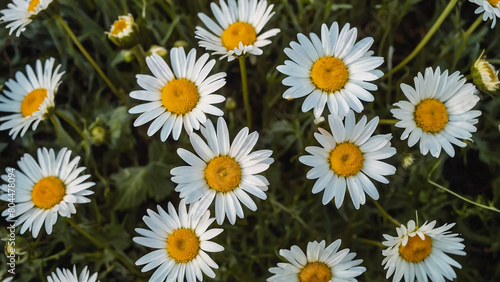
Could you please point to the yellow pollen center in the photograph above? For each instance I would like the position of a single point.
(346, 159)
(48, 192)
(180, 96)
(32, 101)
(315, 272)
(238, 32)
(33, 4)
(431, 115)
(223, 174)
(416, 249)
(118, 26)
(494, 2)
(329, 74)
(183, 245)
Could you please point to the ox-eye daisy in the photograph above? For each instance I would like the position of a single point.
(45, 189)
(332, 70)
(182, 240)
(65, 275)
(347, 157)
(484, 75)
(438, 112)
(124, 31)
(177, 98)
(29, 98)
(418, 252)
(320, 264)
(222, 171)
(21, 12)
(237, 29)
(489, 8)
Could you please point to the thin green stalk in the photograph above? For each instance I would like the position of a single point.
(70, 122)
(369, 242)
(117, 93)
(385, 214)
(140, 55)
(388, 121)
(426, 38)
(465, 37)
(244, 85)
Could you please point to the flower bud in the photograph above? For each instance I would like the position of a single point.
(484, 75)
(124, 32)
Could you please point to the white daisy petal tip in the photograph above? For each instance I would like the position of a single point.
(20, 13)
(490, 10)
(68, 275)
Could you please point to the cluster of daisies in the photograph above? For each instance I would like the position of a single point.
(331, 70)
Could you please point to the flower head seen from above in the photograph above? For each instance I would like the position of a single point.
(489, 8)
(238, 27)
(347, 157)
(124, 31)
(438, 112)
(418, 252)
(177, 98)
(65, 275)
(320, 264)
(45, 189)
(30, 97)
(224, 171)
(182, 240)
(332, 71)
(484, 75)
(20, 13)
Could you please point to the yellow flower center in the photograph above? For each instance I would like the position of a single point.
(32, 101)
(416, 249)
(48, 192)
(238, 32)
(494, 2)
(346, 159)
(180, 96)
(431, 115)
(183, 245)
(118, 26)
(329, 74)
(315, 272)
(223, 174)
(33, 4)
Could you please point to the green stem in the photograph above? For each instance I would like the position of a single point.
(424, 41)
(70, 122)
(465, 37)
(388, 121)
(140, 55)
(117, 93)
(491, 208)
(386, 215)
(244, 85)
(370, 242)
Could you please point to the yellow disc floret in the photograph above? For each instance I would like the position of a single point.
(180, 96)
(431, 115)
(33, 4)
(346, 159)
(32, 101)
(329, 74)
(494, 2)
(238, 32)
(183, 245)
(223, 174)
(118, 26)
(315, 272)
(48, 192)
(416, 249)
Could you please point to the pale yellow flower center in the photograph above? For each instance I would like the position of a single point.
(180, 96)
(223, 174)
(32, 101)
(183, 245)
(33, 4)
(431, 115)
(315, 272)
(329, 74)
(416, 249)
(238, 32)
(118, 26)
(494, 2)
(346, 159)
(48, 192)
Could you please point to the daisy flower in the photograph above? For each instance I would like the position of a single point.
(489, 8)
(124, 31)
(421, 252)
(222, 171)
(484, 75)
(236, 32)
(347, 157)
(320, 264)
(20, 13)
(29, 98)
(65, 275)
(438, 112)
(332, 70)
(181, 240)
(177, 98)
(45, 188)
